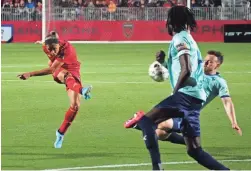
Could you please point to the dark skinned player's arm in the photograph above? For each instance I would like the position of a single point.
(50, 70)
(185, 71)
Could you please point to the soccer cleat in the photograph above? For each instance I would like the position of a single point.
(134, 120)
(86, 92)
(59, 140)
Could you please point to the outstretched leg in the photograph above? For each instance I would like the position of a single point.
(72, 83)
(69, 117)
(148, 128)
(147, 123)
(166, 109)
(168, 131)
(195, 151)
(191, 132)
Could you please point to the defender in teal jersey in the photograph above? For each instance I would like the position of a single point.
(214, 85)
(186, 76)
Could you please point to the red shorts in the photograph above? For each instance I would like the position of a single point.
(74, 73)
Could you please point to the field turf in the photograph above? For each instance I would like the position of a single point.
(32, 110)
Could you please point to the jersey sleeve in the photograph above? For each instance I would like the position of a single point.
(46, 51)
(182, 46)
(165, 65)
(61, 55)
(223, 89)
(44, 48)
(64, 52)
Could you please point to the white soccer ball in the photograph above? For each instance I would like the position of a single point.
(158, 72)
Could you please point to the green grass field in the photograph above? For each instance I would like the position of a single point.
(32, 110)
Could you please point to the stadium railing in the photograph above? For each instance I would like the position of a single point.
(126, 14)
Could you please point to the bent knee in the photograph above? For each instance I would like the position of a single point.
(194, 152)
(75, 106)
(161, 134)
(60, 75)
(166, 125)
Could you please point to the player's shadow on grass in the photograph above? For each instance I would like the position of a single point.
(219, 152)
(66, 155)
(24, 146)
(78, 146)
(232, 153)
(12, 166)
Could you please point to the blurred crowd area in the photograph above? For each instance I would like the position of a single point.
(37, 4)
(102, 9)
(21, 10)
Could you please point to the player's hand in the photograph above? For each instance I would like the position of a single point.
(24, 76)
(87, 97)
(237, 128)
(38, 42)
(53, 53)
(160, 56)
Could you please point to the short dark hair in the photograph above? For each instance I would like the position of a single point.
(51, 38)
(161, 54)
(218, 54)
(180, 18)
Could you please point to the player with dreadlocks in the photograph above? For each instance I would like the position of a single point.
(186, 77)
(65, 69)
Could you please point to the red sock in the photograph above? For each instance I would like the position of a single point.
(73, 84)
(69, 117)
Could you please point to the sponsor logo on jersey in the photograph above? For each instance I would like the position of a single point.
(181, 46)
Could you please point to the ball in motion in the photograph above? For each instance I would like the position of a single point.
(158, 72)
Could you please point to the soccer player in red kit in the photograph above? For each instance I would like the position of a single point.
(65, 69)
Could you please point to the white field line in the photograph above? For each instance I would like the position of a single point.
(226, 72)
(102, 82)
(99, 82)
(119, 42)
(109, 64)
(21, 66)
(237, 72)
(138, 164)
(42, 65)
(18, 72)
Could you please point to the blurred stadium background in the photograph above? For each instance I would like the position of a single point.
(33, 109)
(31, 10)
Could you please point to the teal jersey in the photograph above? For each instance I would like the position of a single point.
(215, 85)
(183, 43)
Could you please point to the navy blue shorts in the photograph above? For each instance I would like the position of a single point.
(177, 123)
(185, 107)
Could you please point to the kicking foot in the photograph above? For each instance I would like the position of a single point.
(134, 120)
(59, 140)
(86, 92)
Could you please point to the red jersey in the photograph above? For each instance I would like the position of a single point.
(66, 54)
